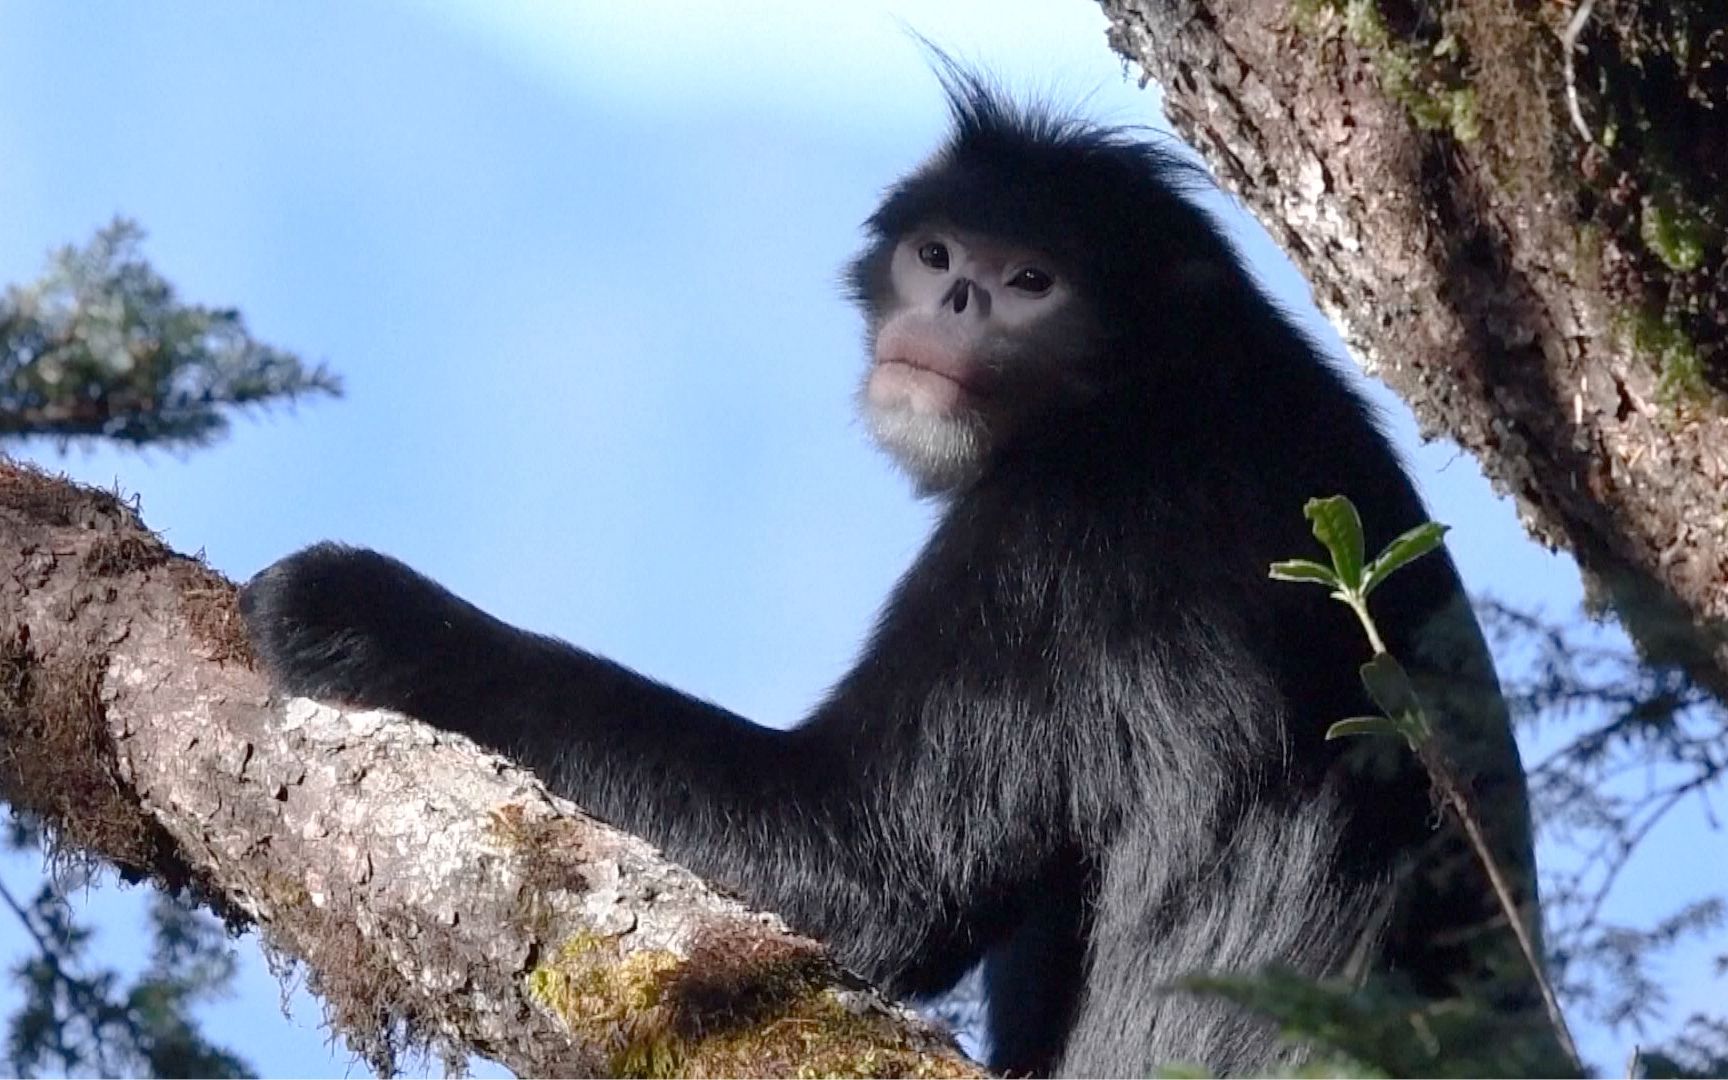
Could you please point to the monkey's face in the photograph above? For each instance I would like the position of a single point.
(976, 336)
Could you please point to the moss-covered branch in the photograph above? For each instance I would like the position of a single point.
(438, 897)
(1517, 214)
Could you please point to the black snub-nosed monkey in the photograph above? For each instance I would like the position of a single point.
(1085, 742)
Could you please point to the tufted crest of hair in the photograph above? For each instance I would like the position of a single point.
(1108, 202)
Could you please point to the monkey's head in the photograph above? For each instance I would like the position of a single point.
(1025, 270)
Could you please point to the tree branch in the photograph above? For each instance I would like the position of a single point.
(1557, 306)
(439, 897)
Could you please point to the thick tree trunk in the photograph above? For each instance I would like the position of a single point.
(1514, 210)
(437, 896)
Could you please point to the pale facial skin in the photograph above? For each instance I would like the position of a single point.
(980, 334)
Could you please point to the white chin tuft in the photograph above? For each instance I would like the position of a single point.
(939, 451)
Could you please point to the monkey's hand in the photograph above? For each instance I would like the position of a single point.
(350, 625)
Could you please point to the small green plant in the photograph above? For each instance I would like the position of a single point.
(1352, 577)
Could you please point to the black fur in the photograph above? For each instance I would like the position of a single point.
(1084, 742)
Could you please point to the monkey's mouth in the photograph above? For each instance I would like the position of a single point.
(904, 381)
(963, 379)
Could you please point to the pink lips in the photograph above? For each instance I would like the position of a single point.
(924, 389)
(927, 354)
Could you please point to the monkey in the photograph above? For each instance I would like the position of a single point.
(1084, 745)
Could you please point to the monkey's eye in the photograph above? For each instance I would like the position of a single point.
(1032, 280)
(934, 255)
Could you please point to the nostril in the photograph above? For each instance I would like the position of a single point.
(962, 289)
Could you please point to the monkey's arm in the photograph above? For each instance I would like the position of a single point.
(355, 626)
(833, 834)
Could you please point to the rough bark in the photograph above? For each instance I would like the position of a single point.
(437, 896)
(1514, 212)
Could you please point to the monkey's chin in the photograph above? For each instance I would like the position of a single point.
(940, 451)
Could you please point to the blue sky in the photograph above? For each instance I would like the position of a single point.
(578, 263)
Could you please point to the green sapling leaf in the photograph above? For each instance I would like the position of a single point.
(1304, 570)
(1407, 548)
(1338, 526)
(1362, 725)
(1390, 688)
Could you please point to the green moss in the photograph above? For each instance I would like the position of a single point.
(603, 999)
(588, 987)
(1676, 234)
(817, 1037)
(1310, 13)
(1363, 23)
(1675, 356)
(1443, 110)
(1426, 81)
(738, 1006)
